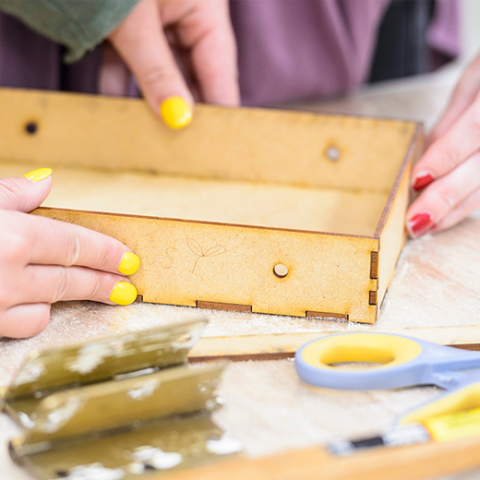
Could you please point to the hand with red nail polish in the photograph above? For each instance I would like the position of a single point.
(448, 174)
(422, 180)
(420, 223)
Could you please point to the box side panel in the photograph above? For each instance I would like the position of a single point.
(393, 236)
(188, 262)
(238, 144)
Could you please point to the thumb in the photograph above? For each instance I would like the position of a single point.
(26, 193)
(142, 44)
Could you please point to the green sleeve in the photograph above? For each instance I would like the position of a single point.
(77, 24)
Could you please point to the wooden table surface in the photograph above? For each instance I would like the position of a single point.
(437, 284)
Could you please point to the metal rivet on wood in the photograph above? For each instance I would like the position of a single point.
(333, 153)
(280, 270)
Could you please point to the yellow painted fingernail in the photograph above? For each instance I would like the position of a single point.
(129, 264)
(39, 174)
(123, 293)
(176, 112)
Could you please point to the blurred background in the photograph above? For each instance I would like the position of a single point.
(401, 86)
(408, 45)
(470, 28)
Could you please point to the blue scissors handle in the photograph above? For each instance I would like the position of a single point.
(404, 361)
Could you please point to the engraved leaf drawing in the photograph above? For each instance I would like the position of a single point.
(214, 251)
(195, 247)
(197, 250)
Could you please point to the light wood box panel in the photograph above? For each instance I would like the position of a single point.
(213, 208)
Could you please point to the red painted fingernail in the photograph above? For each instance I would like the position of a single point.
(420, 223)
(422, 180)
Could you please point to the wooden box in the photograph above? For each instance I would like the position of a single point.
(246, 209)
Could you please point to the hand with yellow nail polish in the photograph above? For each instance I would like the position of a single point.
(43, 261)
(200, 40)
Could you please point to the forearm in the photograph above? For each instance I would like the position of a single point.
(79, 25)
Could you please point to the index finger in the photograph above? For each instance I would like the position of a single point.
(142, 44)
(59, 243)
(446, 153)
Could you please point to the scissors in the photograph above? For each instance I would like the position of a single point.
(404, 361)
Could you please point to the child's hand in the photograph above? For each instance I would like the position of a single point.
(204, 45)
(44, 261)
(449, 171)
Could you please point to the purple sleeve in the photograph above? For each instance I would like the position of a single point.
(300, 49)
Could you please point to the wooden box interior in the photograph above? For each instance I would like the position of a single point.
(317, 209)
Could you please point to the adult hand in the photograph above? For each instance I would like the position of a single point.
(200, 39)
(44, 261)
(449, 171)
